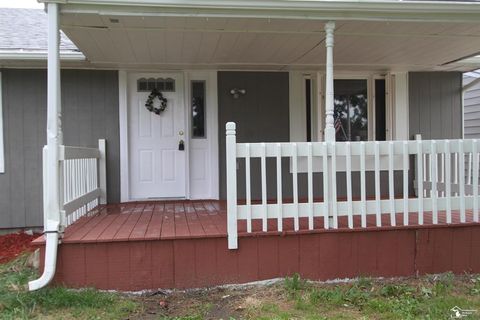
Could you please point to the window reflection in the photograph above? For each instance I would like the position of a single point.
(198, 109)
(350, 110)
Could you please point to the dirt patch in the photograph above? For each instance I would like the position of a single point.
(14, 244)
(218, 303)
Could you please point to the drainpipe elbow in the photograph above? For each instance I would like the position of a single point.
(50, 262)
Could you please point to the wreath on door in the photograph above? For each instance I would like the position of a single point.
(151, 98)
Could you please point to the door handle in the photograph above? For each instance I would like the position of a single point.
(181, 145)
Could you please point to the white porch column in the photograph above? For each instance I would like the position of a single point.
(54, 129)
(329, 127)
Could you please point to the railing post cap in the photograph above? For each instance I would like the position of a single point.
(230, 127)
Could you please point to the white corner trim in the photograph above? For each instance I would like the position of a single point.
(2, 155)
(214, 135)
(123, 128)
(401, 107)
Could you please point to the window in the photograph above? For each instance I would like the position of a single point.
(380, 110)
(361, 110)
(147, 85)
(351, 109)
(198, 109)
(308, 108)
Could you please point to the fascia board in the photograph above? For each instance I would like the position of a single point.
(38, 55)
(338, 10)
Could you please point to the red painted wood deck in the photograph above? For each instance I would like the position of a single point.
(182, 244)
(137, 221)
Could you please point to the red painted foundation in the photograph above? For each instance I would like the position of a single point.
(191, 261)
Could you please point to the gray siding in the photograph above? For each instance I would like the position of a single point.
(471, 110)
(261, 115)
(435, 107)
(90, 112)
(435, 100)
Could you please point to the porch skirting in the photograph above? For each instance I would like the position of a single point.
(193, 261)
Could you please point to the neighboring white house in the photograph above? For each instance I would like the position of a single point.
(471, 105)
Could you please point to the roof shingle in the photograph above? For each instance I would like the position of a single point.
(26, 29)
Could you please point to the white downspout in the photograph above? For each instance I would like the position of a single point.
(54, 140)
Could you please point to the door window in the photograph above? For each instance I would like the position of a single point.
(351, 109)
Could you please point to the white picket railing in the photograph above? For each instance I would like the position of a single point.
(83, 180)
(438, 168)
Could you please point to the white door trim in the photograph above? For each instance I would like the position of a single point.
(212, 128)
(210, 190)
(123, 129)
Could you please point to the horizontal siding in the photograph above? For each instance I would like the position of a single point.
(90, 112)
(471, 110)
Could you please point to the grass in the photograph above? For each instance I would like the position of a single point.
(55, 302)
(430, 297)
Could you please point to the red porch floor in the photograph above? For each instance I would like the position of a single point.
(182, 244)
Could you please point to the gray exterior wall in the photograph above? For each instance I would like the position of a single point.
(471, 110)
(90, 112)
(435, 104)
(262, 116)
(435, 107)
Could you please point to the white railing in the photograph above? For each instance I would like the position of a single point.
(83, 183)
(434, 162)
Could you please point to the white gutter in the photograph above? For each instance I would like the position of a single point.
(440, 11)
(54, 140)
(39, 55)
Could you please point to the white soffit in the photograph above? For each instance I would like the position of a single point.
(231, 43)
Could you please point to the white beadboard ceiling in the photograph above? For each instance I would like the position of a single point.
(269, 44)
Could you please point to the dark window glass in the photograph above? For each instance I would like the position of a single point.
(198, 109)
(169, 85)
(151, 84)
(142, 84)
(160, 84)
(350, 110)
(308, 106)
(380, 111)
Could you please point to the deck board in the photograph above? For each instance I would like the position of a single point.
(204, 219)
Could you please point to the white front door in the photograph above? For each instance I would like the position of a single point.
(157, 166)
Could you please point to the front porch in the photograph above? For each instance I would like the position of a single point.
(371, 202)
(183, 244)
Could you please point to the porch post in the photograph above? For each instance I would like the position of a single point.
(231, 157)
(329, 137)
(329, 127)
(54, 130)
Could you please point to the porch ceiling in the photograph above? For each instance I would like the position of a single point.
(180, 42)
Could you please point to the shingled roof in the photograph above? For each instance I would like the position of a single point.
(26, 30)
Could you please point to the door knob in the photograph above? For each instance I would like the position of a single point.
(181, 145)
(180, 133)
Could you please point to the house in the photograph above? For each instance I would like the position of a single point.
(356, 107)
(471, 104)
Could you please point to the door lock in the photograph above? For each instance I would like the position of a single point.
(181, 145)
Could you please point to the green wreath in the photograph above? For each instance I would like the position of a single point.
(149, 104)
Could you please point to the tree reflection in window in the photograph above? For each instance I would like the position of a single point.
(350, 110)
(198, 109)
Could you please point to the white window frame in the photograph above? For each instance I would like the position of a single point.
(2, 149)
